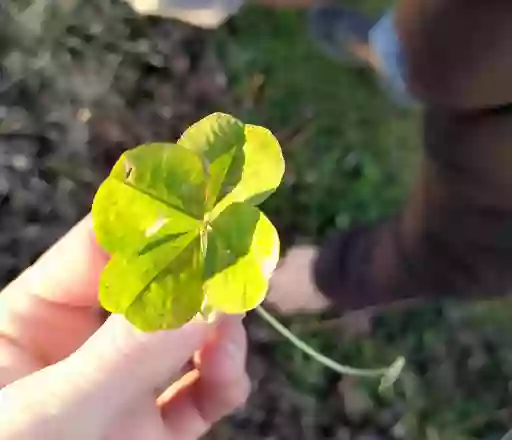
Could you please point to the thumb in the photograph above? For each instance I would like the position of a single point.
(82, 394)
(121, 362)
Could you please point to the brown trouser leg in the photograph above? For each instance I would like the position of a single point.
(454, 236)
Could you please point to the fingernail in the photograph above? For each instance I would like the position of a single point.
(236, 317)
(221, 318)
(231, 343)
(234, 352)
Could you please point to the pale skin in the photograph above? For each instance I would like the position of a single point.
(292, 289)
(67, 373)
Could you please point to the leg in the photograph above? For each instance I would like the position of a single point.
(458, 52)
(456, 57)
(454, 237)
(353, 38)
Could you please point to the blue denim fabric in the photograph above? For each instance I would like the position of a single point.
(385, 43)
(508, 436)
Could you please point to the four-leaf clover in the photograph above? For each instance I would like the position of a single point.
(182, 228)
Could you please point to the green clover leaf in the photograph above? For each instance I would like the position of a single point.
(181, 224)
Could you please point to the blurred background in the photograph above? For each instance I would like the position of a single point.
(83, 80)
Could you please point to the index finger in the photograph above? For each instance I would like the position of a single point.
(53, 307)
(218, 386)
(68, 273)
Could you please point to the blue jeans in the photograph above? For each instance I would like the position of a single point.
(386, 44)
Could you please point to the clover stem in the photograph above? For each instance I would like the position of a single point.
(319, 357)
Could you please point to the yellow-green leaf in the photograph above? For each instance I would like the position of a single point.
(181, 224)
(158, 289)
(243, 162)
(153, 191)
(242, 252)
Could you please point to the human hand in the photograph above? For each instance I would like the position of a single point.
(67, 373)
(292, 288)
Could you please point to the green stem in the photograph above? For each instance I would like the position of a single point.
(319, 357)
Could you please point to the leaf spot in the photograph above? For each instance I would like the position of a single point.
(269, 266)
(128, 169)
(155, 227)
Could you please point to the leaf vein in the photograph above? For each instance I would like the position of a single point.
(161, 271)
(158, 199)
